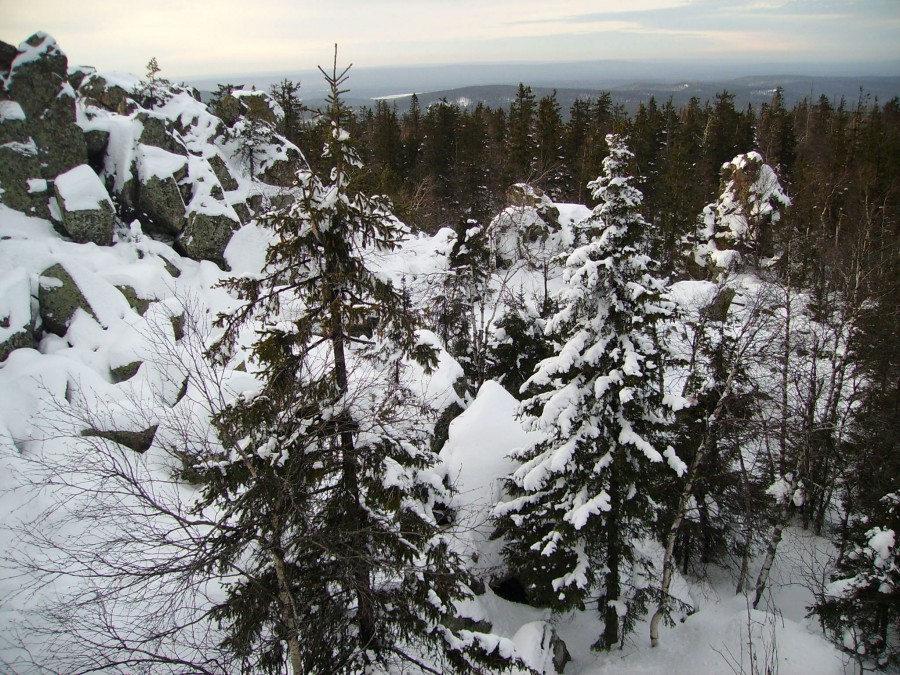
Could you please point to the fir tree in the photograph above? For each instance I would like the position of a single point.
(861, 605)
(151, 90)
(518, 344)
(580, 498)
(326, 470)
(253, 131)
(521, 142)
(224, 105)
(291, 123)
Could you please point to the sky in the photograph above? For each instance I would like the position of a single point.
(192, 38)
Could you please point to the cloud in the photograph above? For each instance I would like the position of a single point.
(236, 36)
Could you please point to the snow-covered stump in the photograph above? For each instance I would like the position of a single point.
(85, 209)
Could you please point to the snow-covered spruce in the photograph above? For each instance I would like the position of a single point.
(327, 470)
(861, 605)
(583, 495)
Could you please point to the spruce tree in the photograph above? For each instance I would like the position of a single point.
(334, 561)
(291, 123)
(520, 139)
(861, 605)
(580, 498)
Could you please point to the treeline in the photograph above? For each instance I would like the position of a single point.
(838, 160)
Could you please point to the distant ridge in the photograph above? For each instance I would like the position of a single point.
(628, 82)
(746, 90)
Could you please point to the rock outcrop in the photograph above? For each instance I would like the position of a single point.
(87, 150)
(38, 136)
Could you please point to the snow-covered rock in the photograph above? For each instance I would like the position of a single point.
(60, 299)
(84, 205)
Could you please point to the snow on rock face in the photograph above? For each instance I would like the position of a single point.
(743, 220)
(11, 111)
(80, 189)
(86, 209)
(477, 459)
(38, 136)
(16, 318)
(164, 158)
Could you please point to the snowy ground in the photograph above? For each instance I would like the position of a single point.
(723, 636)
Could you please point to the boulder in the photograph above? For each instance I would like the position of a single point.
(243, 212)
(37, 73)
(124, 372)
(257, 104)
(717, 309)
(16, 312)
(96, 140)
(59, 139)
(558, 650)
(523, 196)
(220, 168)
(41, 112)
(78, 74)
(155, 132)
(544, 651)
(85, 207)
(12, 123)
(107, 95)
(209, 229)
(281, 170)
(8, 53)
(227, 109)
(59, 298)
(23, 187)
(137, 303)
(158, 194)
(139, 441)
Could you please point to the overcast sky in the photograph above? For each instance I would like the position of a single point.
(204, 37)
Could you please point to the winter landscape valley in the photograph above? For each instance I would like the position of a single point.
(443, 388)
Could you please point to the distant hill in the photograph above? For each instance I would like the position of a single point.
(628, 82)
(746, 90)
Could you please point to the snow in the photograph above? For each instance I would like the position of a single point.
(81, 189)
(28, 148)
(15, 302)
(153, 162)
(881, 542)
(28, 53)
(481, 440)
(36, 185)
(11, 111)
(127, 81)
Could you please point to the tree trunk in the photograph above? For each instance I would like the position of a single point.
(288, 614)
(748, 529)
(612, 592)
(775, 539)
(355, 528)
(684, 500)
